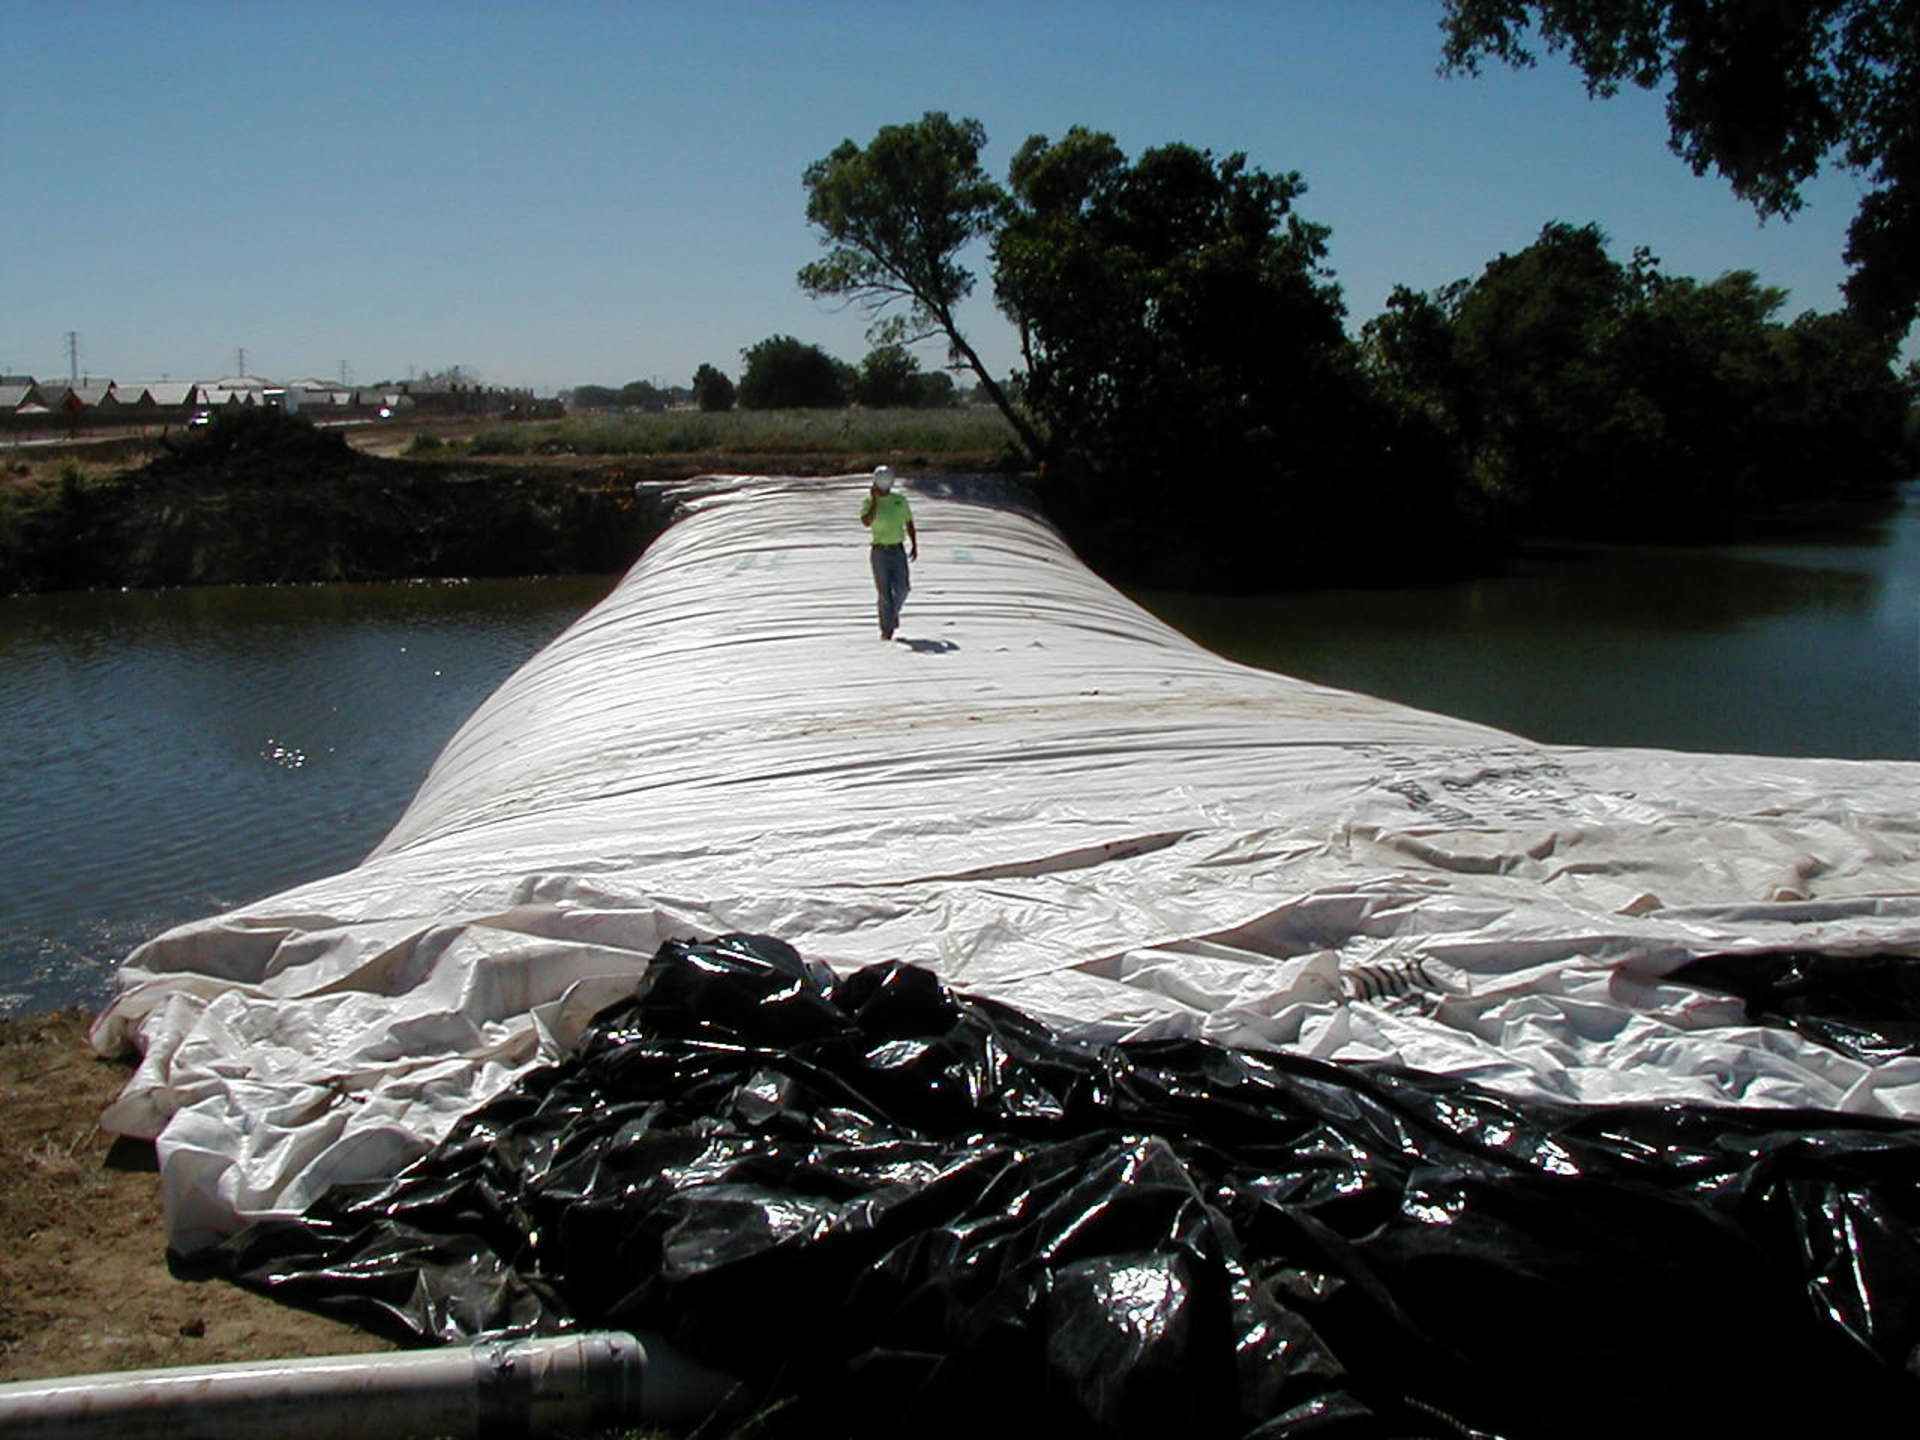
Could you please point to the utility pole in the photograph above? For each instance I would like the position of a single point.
(240, 355)
(73, 357)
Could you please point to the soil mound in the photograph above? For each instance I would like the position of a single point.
(249, 441)
(260, 497)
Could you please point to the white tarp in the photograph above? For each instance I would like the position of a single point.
(1038, 790)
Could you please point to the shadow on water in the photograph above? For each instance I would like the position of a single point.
(1667, 590)
(1802, 647)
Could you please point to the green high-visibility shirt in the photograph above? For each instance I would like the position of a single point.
(891, 516)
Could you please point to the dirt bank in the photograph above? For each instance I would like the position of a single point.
(84, 1280)
(263, 499)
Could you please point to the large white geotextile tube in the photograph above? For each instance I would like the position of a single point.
(571, 1385)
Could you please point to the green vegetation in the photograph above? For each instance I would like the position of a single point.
(1188, 389)
(262, 497)
(1765, 94)
(1206, 421)
(46, 523)
(757, 432)
(891, 376)
(712, 390)
(894, 217)
(634, 395)
(1593, 398)
(1203, 419)
(783, 373)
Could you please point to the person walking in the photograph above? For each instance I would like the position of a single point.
(889, 519)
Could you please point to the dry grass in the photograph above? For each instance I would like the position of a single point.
(941, 433)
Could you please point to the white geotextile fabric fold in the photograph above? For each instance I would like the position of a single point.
(1038, 790)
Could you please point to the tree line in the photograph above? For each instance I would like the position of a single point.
(1200, 413)
(782, 373)
(1589, 397)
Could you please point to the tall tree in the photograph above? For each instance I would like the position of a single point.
(889, 376)
(1765, 92)
(782, 373)
(1187, 353)
(894, 216)
(711, 389)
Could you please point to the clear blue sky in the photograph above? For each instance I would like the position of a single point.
(595, 193)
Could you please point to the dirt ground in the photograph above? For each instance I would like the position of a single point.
(84, 1280)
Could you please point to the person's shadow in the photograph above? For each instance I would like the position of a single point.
(930, 647)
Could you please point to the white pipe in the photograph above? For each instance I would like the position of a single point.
(573, 1384)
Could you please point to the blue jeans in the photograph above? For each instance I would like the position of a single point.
(890, 583)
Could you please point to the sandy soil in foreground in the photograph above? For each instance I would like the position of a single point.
(84, 1280)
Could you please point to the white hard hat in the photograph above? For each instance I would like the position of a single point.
(882, 478)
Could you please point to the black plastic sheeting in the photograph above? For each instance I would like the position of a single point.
(1865, 1006)
(896, 1208)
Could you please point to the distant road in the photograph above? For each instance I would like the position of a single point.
(389, 438)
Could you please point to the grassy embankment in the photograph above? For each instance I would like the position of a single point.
(261, 498)
(979, 437)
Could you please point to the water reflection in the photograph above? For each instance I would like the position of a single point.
(1810, 648)
(1665, 590)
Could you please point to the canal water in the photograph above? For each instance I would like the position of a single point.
(1808, 647)
(171, 754)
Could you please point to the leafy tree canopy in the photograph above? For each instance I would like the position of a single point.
(712, 390)
(642, 395)
(887, 377)
(1203, 419)
(1765, 92)
(894, 215)
(1584, 396)
(782, 373)
(891, 377)
(1178, 285)
(935, 390)
(1187, 355)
